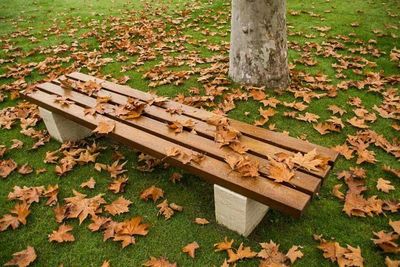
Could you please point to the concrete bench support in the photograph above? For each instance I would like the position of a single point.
(61, 128)
(236, 212)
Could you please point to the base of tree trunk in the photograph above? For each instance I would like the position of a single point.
(258, 53)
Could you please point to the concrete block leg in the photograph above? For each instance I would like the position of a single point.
(61, 128)
(236, 212)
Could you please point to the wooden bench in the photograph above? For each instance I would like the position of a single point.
(240, 202)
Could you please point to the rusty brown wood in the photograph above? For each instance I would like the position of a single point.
(277, 196)
(302, 181)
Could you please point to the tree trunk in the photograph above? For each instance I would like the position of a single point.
(258, 53)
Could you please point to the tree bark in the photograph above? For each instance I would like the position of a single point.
(258, 52)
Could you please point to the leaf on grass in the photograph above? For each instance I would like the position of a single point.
(89, 184)
(241, 253)
(294, 253)
(6, 167)
(159, 262)
(23, 258)
(118, 185)
(190, 249)
(152, 192)
(25, 169)
(175, 177)
(165, 210)
(118, 206)
(224, 245)
(336, 191)
(22, 211)
(201, 221)
(8, 221)
(62, 234)
(384, 185)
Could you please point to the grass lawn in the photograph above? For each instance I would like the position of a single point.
(33, 31)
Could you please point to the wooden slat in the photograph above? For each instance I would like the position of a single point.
(303, 182)
(275, 138)
(275, 195)
(258, 147)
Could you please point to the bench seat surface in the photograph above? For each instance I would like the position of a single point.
(149, 133)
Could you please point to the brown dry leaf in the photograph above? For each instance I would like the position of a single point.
(25, 169)
(279, 171)
(335, 109)
(165, 210)
(294, 253)
(271, 255)
(28, 194)
(336, 191)
(62, 234)
(387, 241)
(190, 249)
(115, 168)
(175, 177)
(81, 207)
(126, 230)
(176, 126)
(6, 167)
(8, 221)
(159, 262)
(105, 127)
(312, 161)
(244, 165)
(152, 192)
(172, 152)
(51, 193)
(241, 253)
(51, 157)
(391, 263)
(118, 206)
(106, 263)
(239, 147)
(349, 256)
(395, 225)
(344, 150)
(22, 211)
(22, 258)
(223, 246)
(359, 123)
(89, 184)
(384, 185)
(308, 117)
(118, 185)
(60, 212)
(391, 170)
(17, 144)
(201, 221)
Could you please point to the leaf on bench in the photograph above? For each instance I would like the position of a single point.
(280, 171)
(311, 161)
(105, 127)
(243, 164)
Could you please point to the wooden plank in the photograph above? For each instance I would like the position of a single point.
(260, 148)
(265, 135)
(277, 196)
(303, 182)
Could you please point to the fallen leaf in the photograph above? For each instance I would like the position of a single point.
(201, 221)
(190, 249)
(104, 127)
(23, 258)
(118, 206)
(384, 185)
(152, 192)
(89, 184)
(62, 234)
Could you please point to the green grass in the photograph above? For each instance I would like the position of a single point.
(166, 238)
